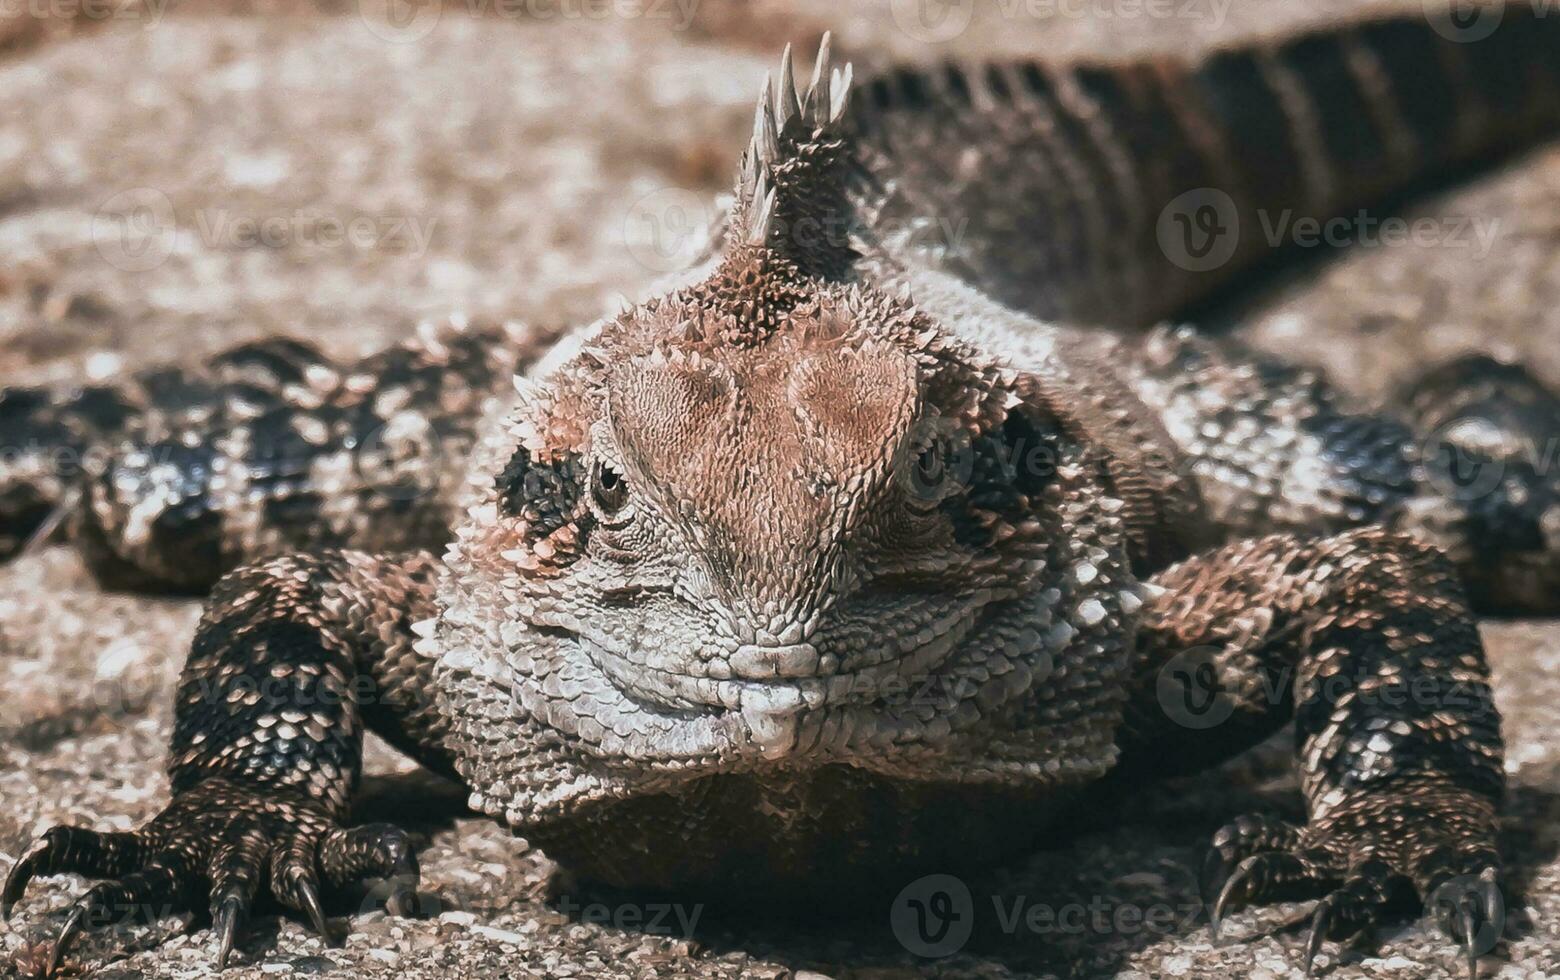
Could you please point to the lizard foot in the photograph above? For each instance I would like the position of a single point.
(1370, 855)
(222, 841)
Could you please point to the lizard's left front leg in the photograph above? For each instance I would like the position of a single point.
(1366, 640)
(293, 659)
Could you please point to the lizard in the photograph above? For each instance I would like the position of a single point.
(655, 603)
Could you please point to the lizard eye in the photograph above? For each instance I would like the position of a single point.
(608, 489)
(929, 465)
(936, 470)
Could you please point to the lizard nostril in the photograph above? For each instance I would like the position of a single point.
(753, 661)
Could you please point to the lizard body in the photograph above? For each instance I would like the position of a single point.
(855, 550)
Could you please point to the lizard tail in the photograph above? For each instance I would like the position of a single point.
(1118, 193)
(1323, 124)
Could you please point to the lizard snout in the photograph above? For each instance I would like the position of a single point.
(758, 662)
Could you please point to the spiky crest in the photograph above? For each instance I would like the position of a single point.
(791, 194)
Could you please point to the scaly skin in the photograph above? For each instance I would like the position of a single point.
(694, 568)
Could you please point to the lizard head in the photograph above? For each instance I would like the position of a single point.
(781, 520)
(768, 521)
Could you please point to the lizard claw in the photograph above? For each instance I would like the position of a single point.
(1471, 911)
(68, 933)
(1353, 907)
(1270, 874)
(309, 897)
(1268, 860)
(1320, 923)
(215, 839)
(1225, 880)
(232, 910)
(1224, 903)
(70, 849)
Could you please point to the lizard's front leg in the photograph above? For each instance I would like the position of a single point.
(292, 659)
(167, 480)
(1270, 448)
(1366, 640)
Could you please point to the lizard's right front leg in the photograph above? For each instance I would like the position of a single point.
(171, 478)
(293, 657)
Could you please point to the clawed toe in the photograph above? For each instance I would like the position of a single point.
(210, 843)
(1256, 860)
(1260, 876)
(1356, 906)
(1471, 911)
(112, 901)
(71, 850)
(228, 914)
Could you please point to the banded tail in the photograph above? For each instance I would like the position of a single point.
(1117, 194)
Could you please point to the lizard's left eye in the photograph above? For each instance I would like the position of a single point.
(608, 489)
(929, 465)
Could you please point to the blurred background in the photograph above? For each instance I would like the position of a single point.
(179, 174)
(177, 177)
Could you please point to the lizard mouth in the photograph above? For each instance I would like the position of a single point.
(625, 706)
(837, 671)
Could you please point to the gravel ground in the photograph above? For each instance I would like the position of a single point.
(172, 181)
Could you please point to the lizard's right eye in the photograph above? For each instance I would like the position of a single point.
(608, 489)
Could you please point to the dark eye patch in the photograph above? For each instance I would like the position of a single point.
(545, 493)
(1012, 465)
